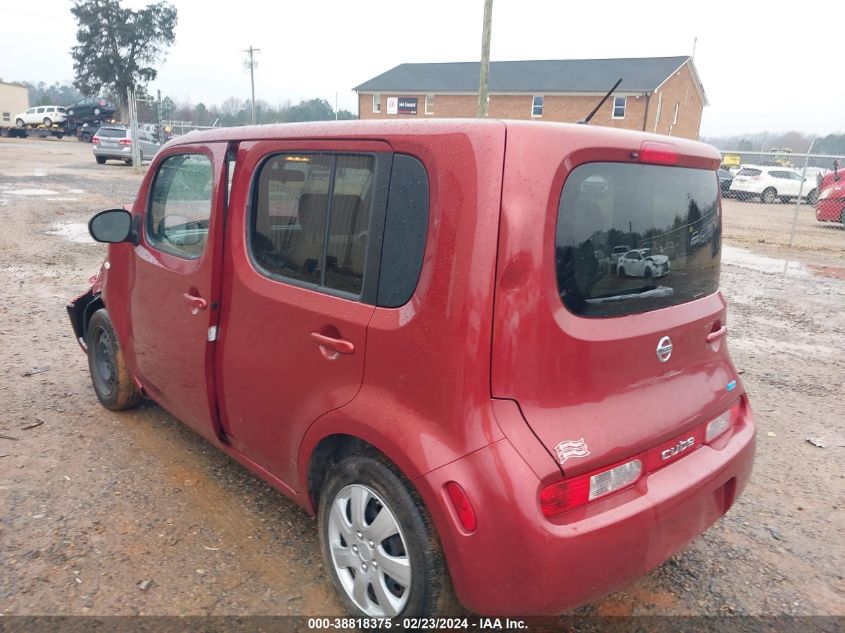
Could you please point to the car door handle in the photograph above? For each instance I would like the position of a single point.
(196, 303)
(717, 334)
(339, 345)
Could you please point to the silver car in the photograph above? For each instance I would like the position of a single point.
(115, 142)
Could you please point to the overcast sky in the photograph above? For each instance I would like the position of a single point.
(764, 66)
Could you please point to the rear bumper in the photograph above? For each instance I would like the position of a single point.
(123, 153)
(517, 562)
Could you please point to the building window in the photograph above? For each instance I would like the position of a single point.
(376, 103)
(537, 106)
(429, 104)
(675, 116)
(619, 104)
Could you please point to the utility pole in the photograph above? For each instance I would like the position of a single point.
(251, 64)
(160, 129)
(483, 88)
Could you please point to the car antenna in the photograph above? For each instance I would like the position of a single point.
(587, 118)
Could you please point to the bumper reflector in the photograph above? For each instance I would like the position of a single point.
(463, 508)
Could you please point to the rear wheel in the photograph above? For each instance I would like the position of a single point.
(378, 543)
(768, 196)
(86, 137)
(47, 122)
(101, 160)
(648, 273)
(621, 271)
(113, 385)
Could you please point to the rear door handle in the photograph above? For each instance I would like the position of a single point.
(196, 303)
(339, 345)
(717, 334)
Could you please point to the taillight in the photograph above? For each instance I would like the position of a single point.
(463, 508)
(96, 140)
(568, 494)
(722, 423)
(125, 141)
(658, 153)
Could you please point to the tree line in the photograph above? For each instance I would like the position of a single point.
(798, 142)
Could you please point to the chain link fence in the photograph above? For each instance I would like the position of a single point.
(784, 200)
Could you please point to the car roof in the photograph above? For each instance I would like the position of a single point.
(369, 129)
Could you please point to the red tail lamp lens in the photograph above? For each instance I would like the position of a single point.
(464, 509)
(125, 141)
(658, 153)
(564, 495)
(96, 140)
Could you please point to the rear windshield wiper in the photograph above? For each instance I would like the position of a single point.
(650, 292)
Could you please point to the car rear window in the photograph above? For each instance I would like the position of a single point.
(749, 172)
(110, 132)
(668, 220)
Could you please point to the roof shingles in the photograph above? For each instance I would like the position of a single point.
(542, 76)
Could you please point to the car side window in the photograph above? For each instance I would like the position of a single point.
(180, 205)
(311, 218)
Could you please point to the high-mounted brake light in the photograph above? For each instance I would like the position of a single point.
(658, 153)
(463, 508)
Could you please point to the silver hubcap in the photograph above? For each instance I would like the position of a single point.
(369, 552)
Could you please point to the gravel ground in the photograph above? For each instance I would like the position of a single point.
(131, 513)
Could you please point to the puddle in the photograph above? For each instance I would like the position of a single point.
(31, 192)
(72, 231)
(743, 258)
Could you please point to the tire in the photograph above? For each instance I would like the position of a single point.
(128, 162)
(620, 270)
(423, 588)
(768, 196)
(648, 273)
(47, 122)
(101, 160)
(112, 382)
(86, 137)
(19, 122)
(813, 197)
(783, 199)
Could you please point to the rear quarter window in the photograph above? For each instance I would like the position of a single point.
(749, 172)
(667, 220)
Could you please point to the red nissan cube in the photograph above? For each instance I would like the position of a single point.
(413, 330)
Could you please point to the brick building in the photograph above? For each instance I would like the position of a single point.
(657, 94)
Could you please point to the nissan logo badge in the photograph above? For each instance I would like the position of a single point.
(664, 349)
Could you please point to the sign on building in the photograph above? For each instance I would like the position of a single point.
(392, 105)
(407, 105)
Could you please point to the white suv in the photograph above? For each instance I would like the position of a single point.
(41, 115)
(772, 183)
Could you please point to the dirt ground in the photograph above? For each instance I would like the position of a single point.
(132, 513)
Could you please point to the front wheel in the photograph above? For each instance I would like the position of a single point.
(621, 271)
(813, 197)
(107, 364)
(19, 122)
(47, 122)
(378, 543)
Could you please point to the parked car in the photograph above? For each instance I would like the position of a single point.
(725, 180)
(90, 108)
(41, 115)
(641, 263)
(360, 313)
(772, 183)
(830, 206)
(616, 253)
(115, 142)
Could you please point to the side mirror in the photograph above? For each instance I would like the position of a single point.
(111, 226)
